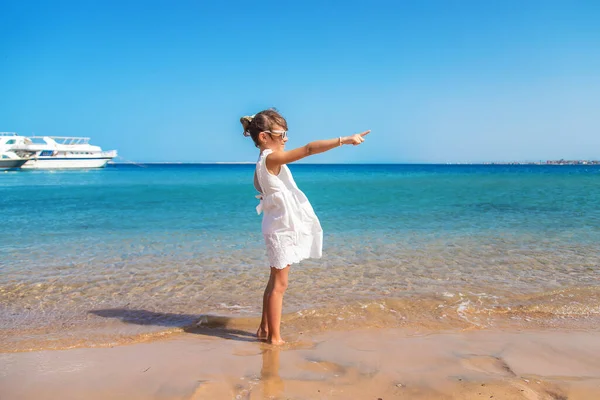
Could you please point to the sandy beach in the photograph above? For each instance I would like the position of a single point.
(220, 363)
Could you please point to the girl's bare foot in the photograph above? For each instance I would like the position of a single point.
(276, 342)
(262, 334)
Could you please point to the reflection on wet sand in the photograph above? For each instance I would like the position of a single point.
(269, 374)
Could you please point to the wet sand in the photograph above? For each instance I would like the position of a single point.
(211, 363)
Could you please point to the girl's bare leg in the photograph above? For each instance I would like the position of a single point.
(263, 329)
(275, 304)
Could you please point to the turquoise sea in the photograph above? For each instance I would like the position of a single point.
(134, 251)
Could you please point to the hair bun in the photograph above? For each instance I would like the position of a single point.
(246, 120)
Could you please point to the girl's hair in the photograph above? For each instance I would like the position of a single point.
(263, 121)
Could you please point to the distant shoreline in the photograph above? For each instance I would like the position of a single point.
(549, 162)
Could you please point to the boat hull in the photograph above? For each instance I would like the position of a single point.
(66, 163)
(11, 163)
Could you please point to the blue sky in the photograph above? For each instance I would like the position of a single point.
(435, 81)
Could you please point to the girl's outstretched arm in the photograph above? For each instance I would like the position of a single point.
(278, 158)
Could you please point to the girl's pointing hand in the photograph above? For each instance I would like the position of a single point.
(356, 139)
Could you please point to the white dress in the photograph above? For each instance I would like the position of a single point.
(290, 226)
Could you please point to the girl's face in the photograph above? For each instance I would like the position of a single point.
(273, 139)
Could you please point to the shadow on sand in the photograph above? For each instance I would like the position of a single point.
(209, 325)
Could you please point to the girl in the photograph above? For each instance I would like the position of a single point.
(291, 229)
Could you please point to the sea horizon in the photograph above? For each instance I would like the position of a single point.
(541, 162)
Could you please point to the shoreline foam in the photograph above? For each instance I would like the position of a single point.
(567, 309)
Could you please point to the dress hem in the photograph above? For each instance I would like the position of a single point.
(294, 261)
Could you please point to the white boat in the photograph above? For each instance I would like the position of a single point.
(10, 159)
(58, 152)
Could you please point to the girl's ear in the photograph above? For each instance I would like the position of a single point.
(262, 137)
